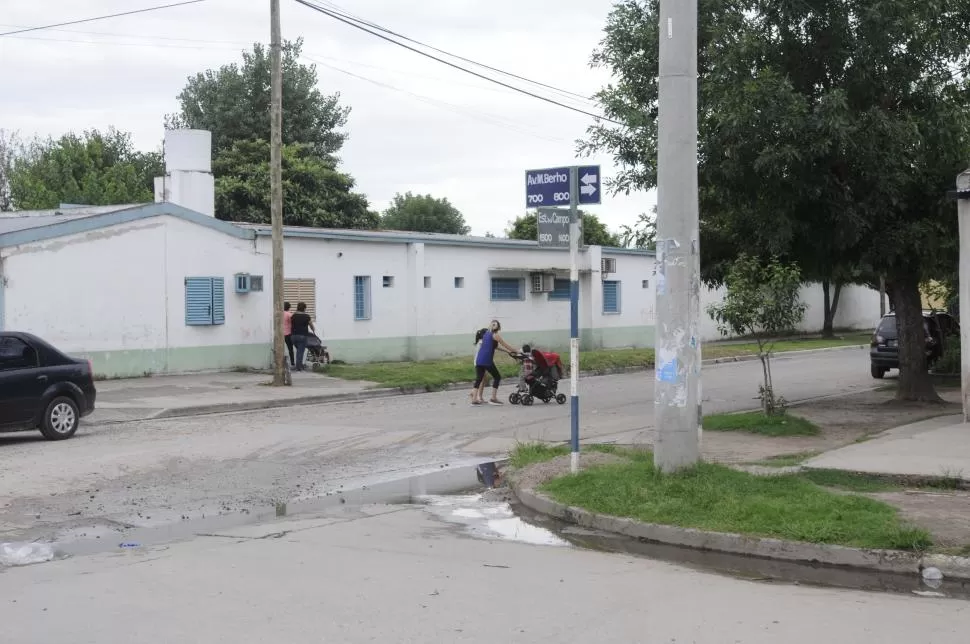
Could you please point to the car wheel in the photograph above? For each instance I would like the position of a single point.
(61, 419)
(877, 372)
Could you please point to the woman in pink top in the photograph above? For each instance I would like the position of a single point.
(288, 331)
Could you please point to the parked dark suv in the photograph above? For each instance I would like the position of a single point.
(41, 388)
(938, 328)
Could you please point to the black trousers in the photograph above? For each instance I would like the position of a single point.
(289, 348)
(480, 372)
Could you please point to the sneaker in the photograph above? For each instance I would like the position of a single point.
(495, 402)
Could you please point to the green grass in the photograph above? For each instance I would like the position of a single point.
(850, 481)
(757, 422)
(729, 350)
(525, 454)
(785, 460)
(437, 374)
(717, 498)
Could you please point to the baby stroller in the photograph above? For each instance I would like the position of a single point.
(316, 352)
(539, 377)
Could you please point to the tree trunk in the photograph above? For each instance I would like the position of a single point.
(830, 305)
(914, 378)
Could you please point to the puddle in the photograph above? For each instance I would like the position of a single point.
(488, 519)
(751, 568)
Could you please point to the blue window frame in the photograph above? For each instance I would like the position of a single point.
(560, 290)
(205, 301)
(507, 289)
(611, 296)
(361, 297)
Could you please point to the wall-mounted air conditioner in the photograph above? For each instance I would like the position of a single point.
(542, 282)
(607, 266)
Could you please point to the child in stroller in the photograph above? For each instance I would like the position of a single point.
(316, 352)
(538, 377)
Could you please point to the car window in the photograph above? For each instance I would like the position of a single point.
(887, 326)
(16, 354)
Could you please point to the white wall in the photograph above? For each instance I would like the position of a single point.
(122, 288)
(858, 309)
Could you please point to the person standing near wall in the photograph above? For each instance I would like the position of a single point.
(288, 331)
(302, 325)
(485, 363)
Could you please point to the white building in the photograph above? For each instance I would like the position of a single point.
(167, 288)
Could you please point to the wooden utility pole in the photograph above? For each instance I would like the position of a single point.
(276, 194)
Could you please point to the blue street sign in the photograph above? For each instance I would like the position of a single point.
(589, 184)
(551, 186)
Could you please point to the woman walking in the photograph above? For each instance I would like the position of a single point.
(485, 363)
(302, 325)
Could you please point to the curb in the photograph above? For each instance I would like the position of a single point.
(388, 392)
(891, 561)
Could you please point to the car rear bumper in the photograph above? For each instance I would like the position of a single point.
(884, 358)
(90, 395)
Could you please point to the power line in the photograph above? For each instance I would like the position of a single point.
(458, 109)
(337, 10)
(105, 17)
(339, 18)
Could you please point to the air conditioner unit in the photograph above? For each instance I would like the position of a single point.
(242, 282)
(542, 282)
(607, 265)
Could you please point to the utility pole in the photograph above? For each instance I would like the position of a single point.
(276, 193)
(962, 195)
(677, 402)
(575, 239)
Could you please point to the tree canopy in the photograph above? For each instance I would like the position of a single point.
(828, 134)
(233, 102)
(315, 193)
(94, 168)
(425, 214)
(595, 232)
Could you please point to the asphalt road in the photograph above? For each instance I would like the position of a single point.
(154, 472)
(400, 574)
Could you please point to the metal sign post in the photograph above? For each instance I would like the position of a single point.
(577, 185)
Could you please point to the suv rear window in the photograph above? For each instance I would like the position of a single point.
(887, 327)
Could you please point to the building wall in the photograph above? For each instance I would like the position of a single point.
(117, 297)
(858, 310)
(412, 318)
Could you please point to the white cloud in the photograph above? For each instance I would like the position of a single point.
(462, 138)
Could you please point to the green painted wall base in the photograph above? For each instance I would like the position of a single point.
(144, 362)
(444, 346)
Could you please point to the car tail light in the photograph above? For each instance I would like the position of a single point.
(90, 368)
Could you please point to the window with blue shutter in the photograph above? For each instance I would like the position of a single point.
(507, 289)
(361, 297)
(560, 290)
(611, 296)
(205, 301)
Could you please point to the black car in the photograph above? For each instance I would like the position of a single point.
(938, 328)
(41, 388)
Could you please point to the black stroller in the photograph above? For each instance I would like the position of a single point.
(539, 376)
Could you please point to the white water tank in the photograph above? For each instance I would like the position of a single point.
(188, 151)
(188, 179)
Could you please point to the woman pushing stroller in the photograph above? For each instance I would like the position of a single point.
(485, 363)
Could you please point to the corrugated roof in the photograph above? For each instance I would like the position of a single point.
(29, 219)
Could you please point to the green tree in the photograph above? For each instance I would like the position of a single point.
(642, 234)
(233, 102)
(315, 193)
(762, 300)
(8, 146)
(595, 232)
(95, 168)
(828, 134)
(425, 214)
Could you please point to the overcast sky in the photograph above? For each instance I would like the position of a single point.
(440, 131)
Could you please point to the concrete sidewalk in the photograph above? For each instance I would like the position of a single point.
(935, 448)
(188, 395)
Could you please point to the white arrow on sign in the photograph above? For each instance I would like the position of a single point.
(589, 179)
(587, 190)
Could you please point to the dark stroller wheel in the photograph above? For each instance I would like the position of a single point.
(561, 399)
(515, 398)
(527, 400)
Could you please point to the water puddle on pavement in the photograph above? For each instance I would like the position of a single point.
(488, 519)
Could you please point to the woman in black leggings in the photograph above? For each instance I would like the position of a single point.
(485, 363)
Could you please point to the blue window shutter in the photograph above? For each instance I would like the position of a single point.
(218, 300)
(198, 301)
(611, 296)
(560, 290)
(506, 289)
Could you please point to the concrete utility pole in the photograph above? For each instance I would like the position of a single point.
(276, 194)
(962, 195)
(678, 354)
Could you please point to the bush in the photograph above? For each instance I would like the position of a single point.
(950, 362)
